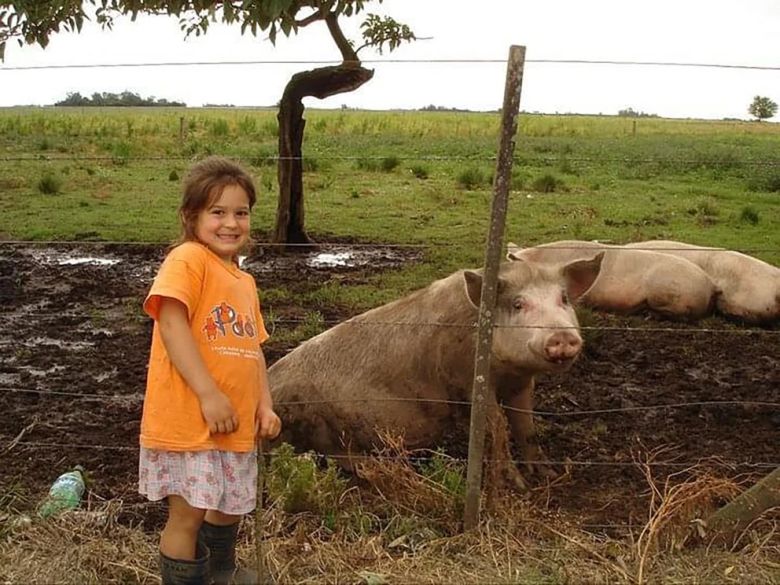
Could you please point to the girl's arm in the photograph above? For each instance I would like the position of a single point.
(183, 351)
(267, 423)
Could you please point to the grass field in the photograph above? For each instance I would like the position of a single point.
(422, 179)
(402, 177)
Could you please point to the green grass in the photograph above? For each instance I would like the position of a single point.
(584, 177)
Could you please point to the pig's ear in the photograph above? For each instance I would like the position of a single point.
(513, 251)
(473, 286)
(581, 274)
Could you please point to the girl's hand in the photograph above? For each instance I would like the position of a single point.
(218, 412)
(267, 423)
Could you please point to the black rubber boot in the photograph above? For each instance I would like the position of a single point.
(221, 542)
(178, 572)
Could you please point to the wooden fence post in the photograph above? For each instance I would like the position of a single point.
(735, 516)
(510, 109)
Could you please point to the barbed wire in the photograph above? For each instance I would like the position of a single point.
(697, 65)
(542, 413)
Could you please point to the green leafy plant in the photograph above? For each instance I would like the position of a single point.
(448, 473)
(50, 184)
(299, 484)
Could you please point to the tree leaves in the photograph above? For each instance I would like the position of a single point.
(762, 108)
(378, 31)
(31, 21)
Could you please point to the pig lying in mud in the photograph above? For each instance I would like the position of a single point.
(749, 288)
(393, 368)
(633, 280)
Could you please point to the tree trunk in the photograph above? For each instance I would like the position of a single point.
(319, 83)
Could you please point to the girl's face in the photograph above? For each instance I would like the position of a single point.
(224, 225)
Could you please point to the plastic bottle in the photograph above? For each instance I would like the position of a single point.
(64, 494)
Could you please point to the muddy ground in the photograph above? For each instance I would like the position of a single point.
(74, 346)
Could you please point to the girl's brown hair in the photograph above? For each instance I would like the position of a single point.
(204, 184)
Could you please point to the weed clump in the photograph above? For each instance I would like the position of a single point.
(433, 488)
(705, 211)
(310, 165)
(749, 215)
(173, 175)
(768, 182)
(219, 128)
(471, 178)
(419, 171)
(298, 484)
(50, 184)
(547, 184)
(120, 152)
(389, 163)
(367, 164)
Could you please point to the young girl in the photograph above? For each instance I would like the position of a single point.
(207, 398)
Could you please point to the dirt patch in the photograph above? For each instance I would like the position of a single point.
(75, 346)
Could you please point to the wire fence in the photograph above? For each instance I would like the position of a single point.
(54, 319)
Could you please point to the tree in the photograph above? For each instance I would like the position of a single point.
(762, 108)
(30, 21)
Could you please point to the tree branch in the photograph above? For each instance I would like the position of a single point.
(311, 18)
(347, 51)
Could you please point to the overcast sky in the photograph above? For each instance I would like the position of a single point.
(727, 32)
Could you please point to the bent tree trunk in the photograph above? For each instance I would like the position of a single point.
(320, 83)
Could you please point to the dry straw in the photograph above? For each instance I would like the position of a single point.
(412, 535)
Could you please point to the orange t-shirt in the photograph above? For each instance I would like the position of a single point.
(225, 320)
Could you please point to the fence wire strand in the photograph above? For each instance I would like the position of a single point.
(417, 157)
(421, 459)
(542, 413)
(597, 246)
(435, 61)
(271, 322)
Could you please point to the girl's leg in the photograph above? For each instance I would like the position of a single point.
(180, 535)
(218, 518)
(218, 532)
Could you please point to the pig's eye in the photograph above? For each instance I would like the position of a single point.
(565, 298)
(520, 303)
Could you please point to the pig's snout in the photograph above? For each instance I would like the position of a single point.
(562, 346)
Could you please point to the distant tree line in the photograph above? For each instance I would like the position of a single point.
(433, 108)
(126, 98)
(631, 113)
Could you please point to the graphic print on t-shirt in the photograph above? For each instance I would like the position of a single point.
(224, 320)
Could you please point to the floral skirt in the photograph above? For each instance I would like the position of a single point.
(210, 480)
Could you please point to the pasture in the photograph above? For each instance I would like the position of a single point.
(642, 448)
